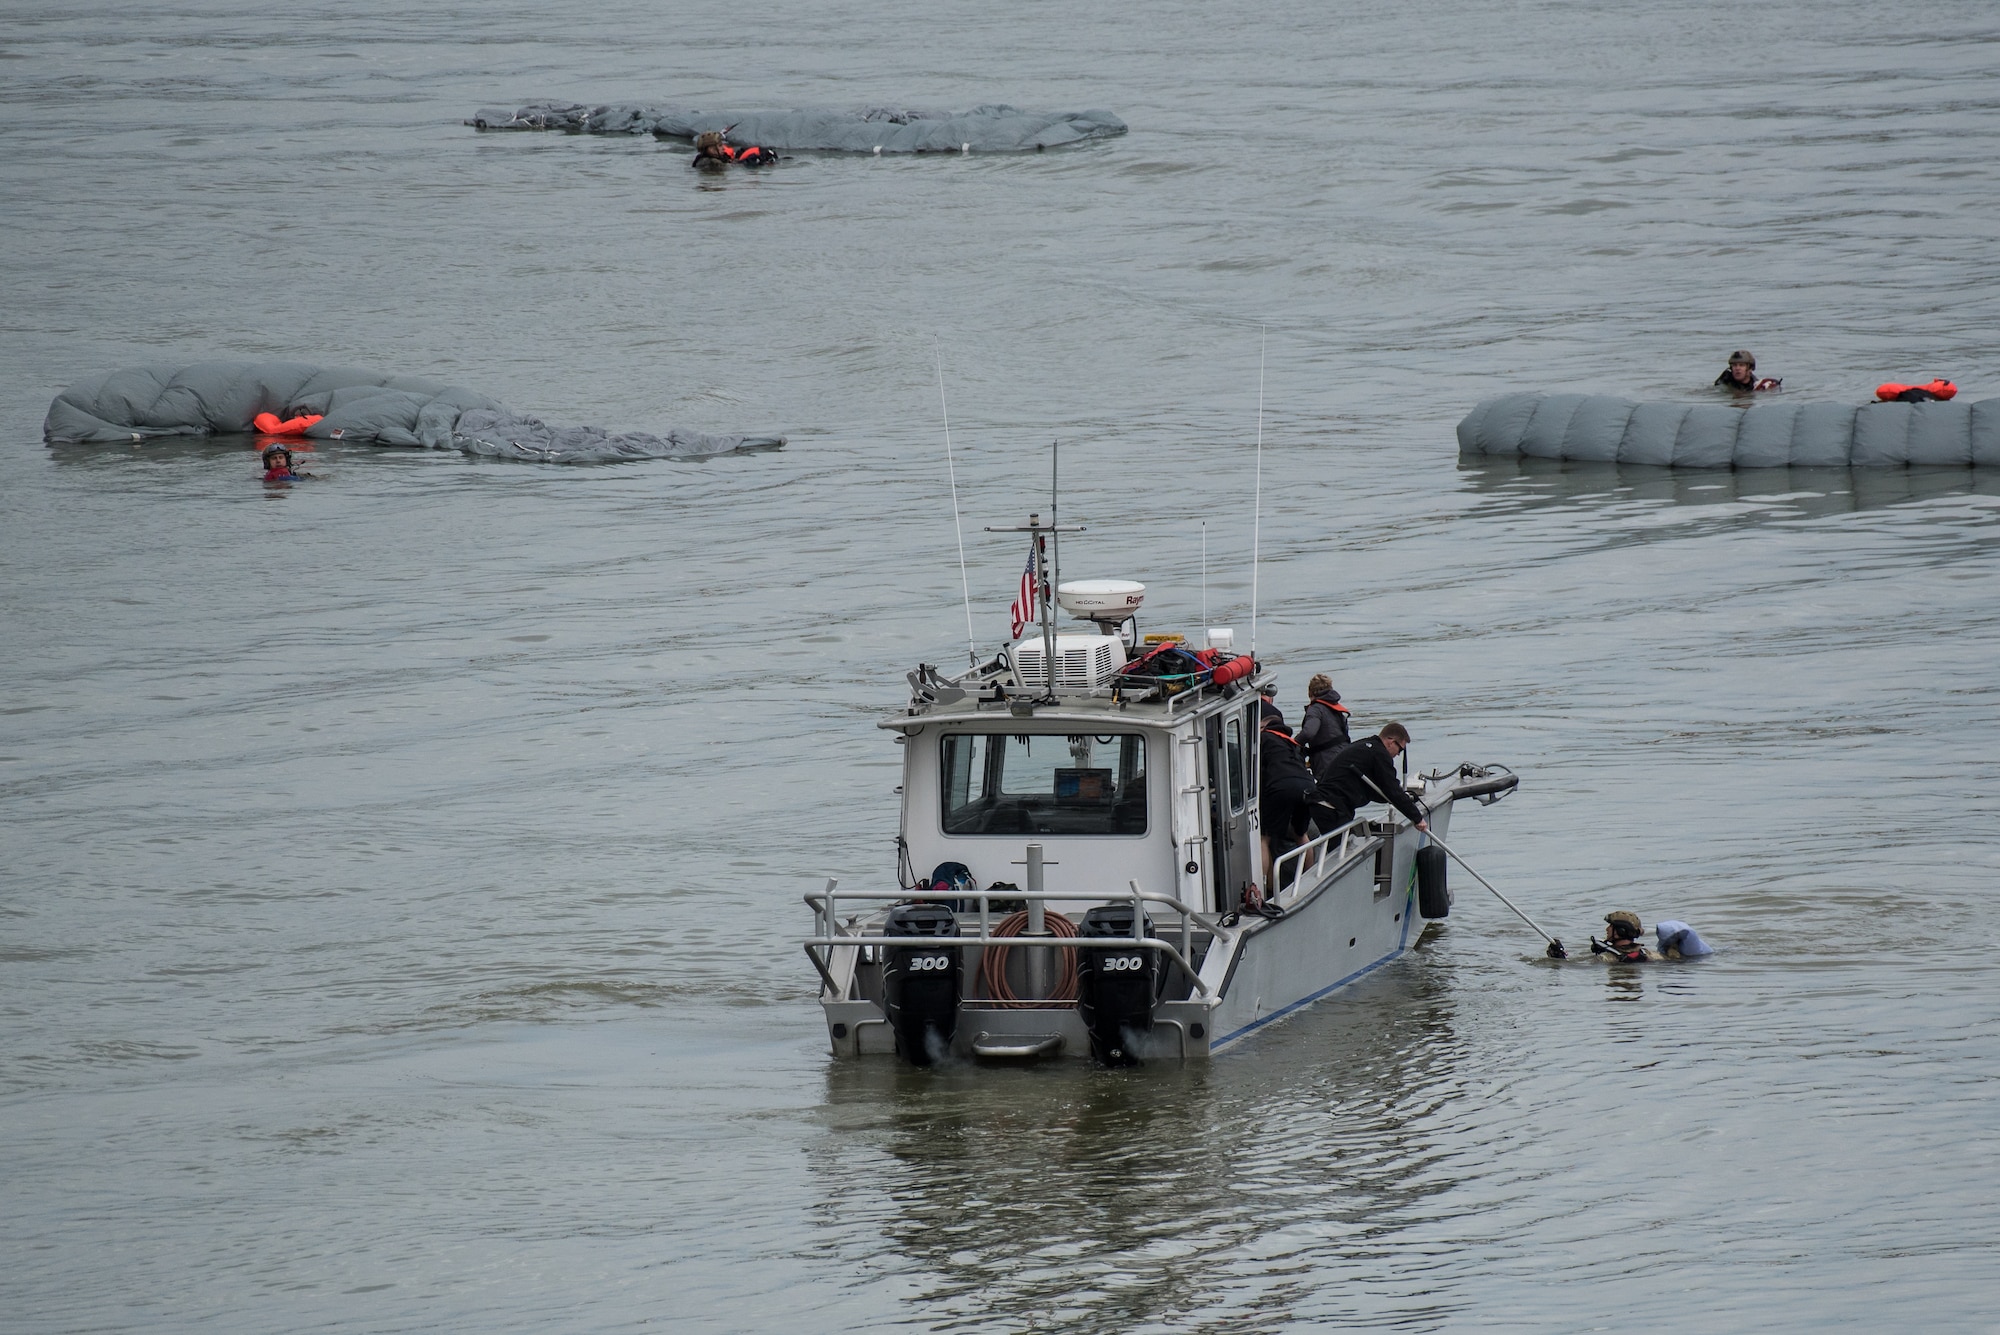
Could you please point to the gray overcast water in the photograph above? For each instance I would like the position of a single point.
(400, 883)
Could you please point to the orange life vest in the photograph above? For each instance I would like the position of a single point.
(269, 425)
(1940, 388)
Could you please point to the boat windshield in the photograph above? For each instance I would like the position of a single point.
(1044, 783)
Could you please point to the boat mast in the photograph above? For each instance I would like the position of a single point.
(1047, 597)
(1043, 591)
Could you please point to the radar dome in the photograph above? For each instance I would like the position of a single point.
(1101, 600)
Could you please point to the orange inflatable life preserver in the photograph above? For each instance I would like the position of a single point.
(1936, 389)
(270, 425)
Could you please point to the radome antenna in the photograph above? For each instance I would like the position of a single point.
(951, 471)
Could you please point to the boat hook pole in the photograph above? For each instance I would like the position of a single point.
(1489, 885)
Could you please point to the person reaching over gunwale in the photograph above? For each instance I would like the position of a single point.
(1363, 772)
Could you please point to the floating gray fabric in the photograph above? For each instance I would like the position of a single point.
(989, 129)
(217, 398)
(1601, 429)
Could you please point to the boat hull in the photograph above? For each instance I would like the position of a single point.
(1355, 917)
(1344, 919)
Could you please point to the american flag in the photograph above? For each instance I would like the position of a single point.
(1023, 609)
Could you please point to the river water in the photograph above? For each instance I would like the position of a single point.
(402, 873)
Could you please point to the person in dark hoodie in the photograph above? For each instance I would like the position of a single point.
(1363, 772)
(1323, 731)
(1285, 788)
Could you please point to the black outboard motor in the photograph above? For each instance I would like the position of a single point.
(920, 982)
(1116, 988)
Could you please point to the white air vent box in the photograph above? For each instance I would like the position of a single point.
(1083, 662)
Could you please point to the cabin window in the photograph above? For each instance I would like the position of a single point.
(1044, 783)
(1232, 750)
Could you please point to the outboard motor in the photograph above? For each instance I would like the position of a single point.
(920, 982)
(1433, 894)
(1116, 987)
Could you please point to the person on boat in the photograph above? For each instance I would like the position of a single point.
(1741, 375)
(1363, 772)
(1323, 731)
(1285, 788)
(713, 149)
(278, 466)
(1621, 944)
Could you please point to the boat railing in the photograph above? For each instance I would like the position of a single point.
(1335, 846)
(831, 935)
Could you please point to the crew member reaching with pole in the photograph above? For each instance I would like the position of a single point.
(1363, 772)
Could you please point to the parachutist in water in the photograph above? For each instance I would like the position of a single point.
(712, 149)
(278, 466)
(1741, 375)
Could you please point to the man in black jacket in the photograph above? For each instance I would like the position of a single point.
(1363, 772)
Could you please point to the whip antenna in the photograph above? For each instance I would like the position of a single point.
(1204, 577)
(951, 471)
(1055, 512)
(1257, 512)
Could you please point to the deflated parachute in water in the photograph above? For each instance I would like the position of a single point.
(1598, 428)
(333, 403)
(988, 129)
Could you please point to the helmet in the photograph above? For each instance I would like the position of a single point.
(1628, 922)
(707, 139)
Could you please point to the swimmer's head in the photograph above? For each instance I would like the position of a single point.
(1622, 926)
(707, 139)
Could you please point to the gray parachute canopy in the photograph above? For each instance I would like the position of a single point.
(988, 129)
(1601, 429)
(215, 398)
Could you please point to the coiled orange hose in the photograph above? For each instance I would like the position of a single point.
(993, 965)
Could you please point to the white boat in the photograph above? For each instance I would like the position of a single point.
(1103, 892)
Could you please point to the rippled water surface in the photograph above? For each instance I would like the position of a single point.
(401, 876)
